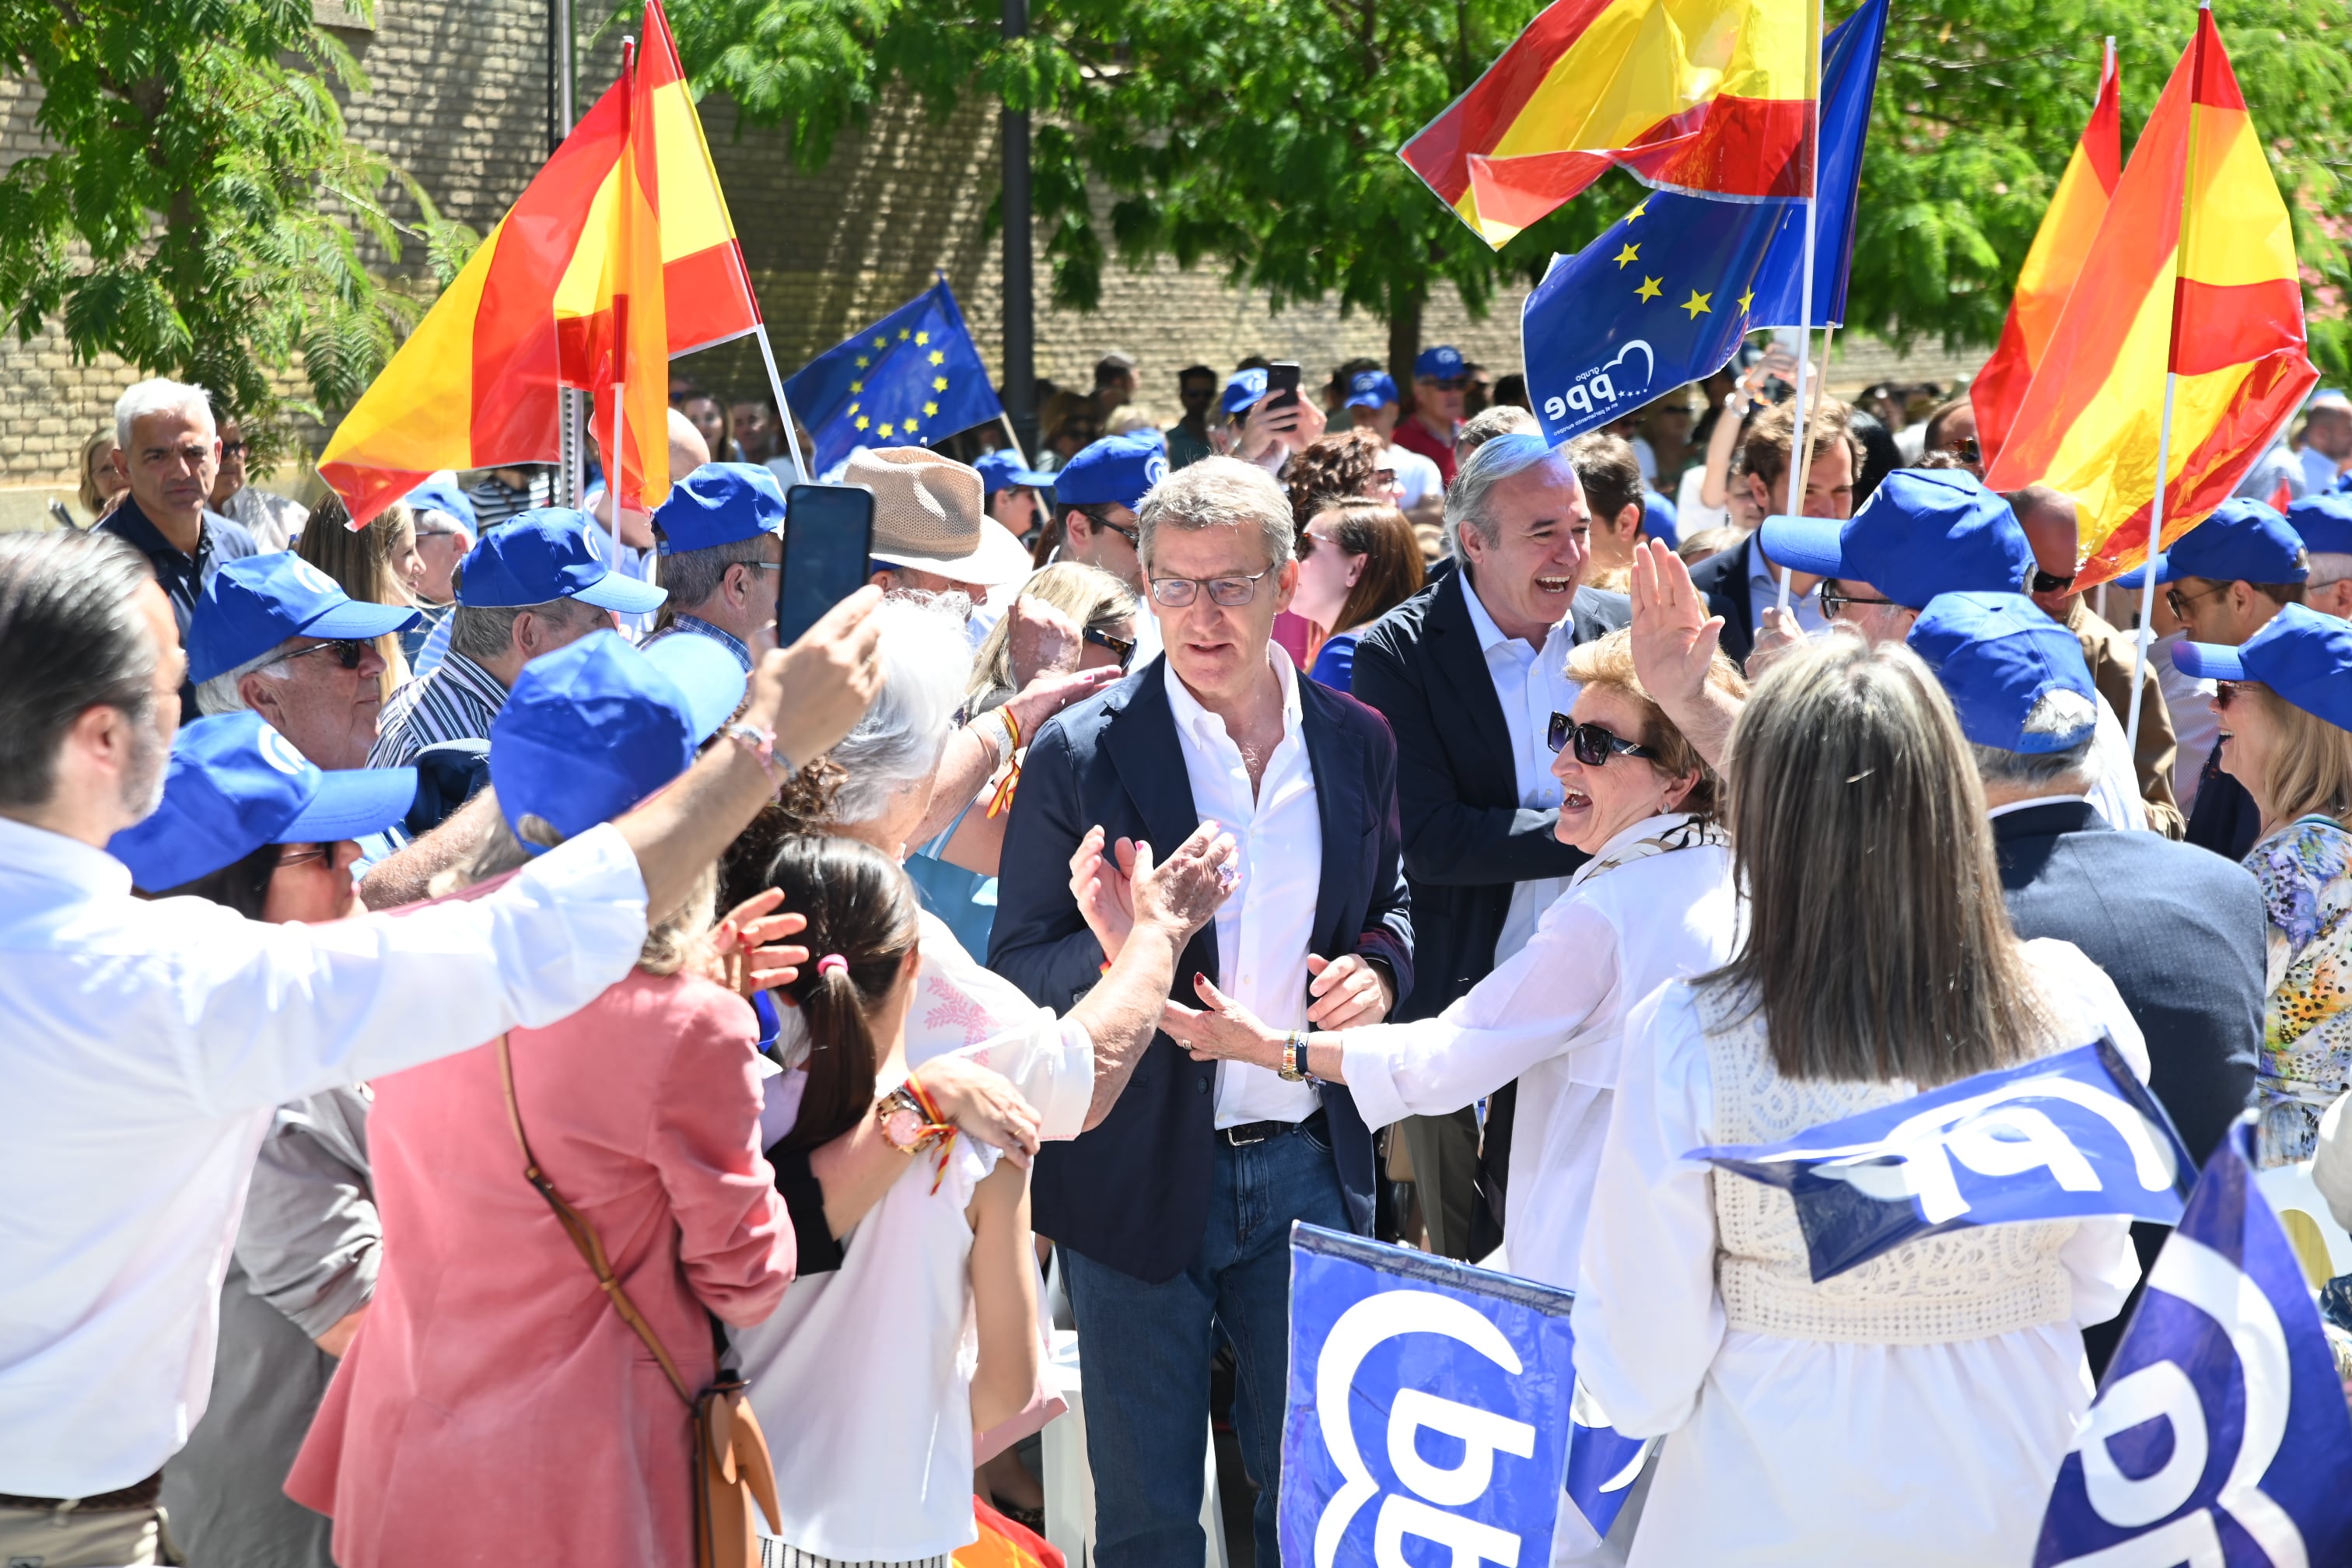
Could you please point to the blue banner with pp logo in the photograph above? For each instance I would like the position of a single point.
(1433, 1414)
(2219, 1438)
(2064, 1137)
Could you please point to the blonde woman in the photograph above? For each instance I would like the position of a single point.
(101, 482)
(2286, 710)
(1103, 607)
(1913, 1409)
(377, 564)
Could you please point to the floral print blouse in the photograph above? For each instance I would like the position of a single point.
(2305, 871)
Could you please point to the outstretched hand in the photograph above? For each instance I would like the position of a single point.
(749, 947)
(1675, 639)
(1220, 1030)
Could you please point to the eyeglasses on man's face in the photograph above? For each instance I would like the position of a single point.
(348, 651)
(1230, 592)
(2051, 582)
(1594, 745)
(2178, 602)
(1122, 648)
(1835, 598)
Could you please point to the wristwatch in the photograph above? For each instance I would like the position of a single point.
(1294, 1057)
(900, 1117)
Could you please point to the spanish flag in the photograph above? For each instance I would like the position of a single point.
(2059, 246)
(545, 301)
(1713, 97)
(2192, 277)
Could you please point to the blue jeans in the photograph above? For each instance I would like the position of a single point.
(1145, 1349)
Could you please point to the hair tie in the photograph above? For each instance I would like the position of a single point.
(833, 963)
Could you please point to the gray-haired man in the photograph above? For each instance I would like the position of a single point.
(1468, 673)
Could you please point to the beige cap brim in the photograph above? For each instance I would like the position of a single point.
(1001, 559)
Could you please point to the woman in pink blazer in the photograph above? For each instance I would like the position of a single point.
(495, 1409)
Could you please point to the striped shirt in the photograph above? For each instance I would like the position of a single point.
(455, 703)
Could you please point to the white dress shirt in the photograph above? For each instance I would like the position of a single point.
(147, 1046)
(1553, 1017)
(1262, 928)
(1418, 478)
(1532, 686)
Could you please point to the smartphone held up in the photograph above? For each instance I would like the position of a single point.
(828, 534)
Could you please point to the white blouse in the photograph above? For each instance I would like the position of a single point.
(1552, 1016)
(1802, 1452)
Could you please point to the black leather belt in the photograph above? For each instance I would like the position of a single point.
(144, 1494)
(1250, 1133)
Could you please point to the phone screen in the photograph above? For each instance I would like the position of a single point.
(1282, 381)
(828, 530)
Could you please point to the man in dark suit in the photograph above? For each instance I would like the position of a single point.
(1174, 1215)
(1742, 585)
(2180, 933)
(1468, 674)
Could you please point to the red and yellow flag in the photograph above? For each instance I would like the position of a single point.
(2193, 275)
(2059, 246)
(1006, 1544)
(535, 310)
(1710, 95)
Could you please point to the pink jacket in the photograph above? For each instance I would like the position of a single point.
(494, 1408)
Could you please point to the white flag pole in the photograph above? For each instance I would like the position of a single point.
(1800, 448)
(784, 413)
(616, 462)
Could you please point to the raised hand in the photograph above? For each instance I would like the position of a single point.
(1101, 880)
(1041, 639)
(1675, 639)
(749, 947)
(1184, 892)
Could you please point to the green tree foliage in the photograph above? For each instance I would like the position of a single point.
(202, 211)
(1260, 135)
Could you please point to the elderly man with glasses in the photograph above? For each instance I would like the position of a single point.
(276, 635)
(1440, 379)
(1174, 1215)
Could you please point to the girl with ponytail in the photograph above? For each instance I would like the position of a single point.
(909, 1198)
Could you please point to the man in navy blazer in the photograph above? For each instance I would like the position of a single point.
(2181, 932)
(1174, 1215)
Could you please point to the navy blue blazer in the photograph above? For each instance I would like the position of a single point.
(1133, 1194)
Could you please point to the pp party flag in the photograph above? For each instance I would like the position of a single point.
(2192, 277)
(1697, 95)
(911, 378)
(1005, 1543)
(475, 384)
(1386, 1344)
(2059, 247)
(2070, 1135)
(2220, 1437)
(1665, 296)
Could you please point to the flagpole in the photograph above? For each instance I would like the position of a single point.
(1799, 448)
(1013, 435)
(784, 410)
(2145, 643)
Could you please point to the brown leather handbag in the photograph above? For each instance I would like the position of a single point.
(733, 1471)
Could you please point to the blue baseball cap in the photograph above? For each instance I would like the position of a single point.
(1245, 388)
(1442, 363)
(444, 495)
(1999, 656)
(233, 785)
(252, 605)
(1923, 531)
(1371, 388)
(1002, 470)
(550, 552)
(596, 726)
(1116, 469)
(2324, 522)
(720, 503)
(2243, 542)
(2304, 656)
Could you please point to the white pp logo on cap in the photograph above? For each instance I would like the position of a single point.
(1155, 469)
(311, 577)
(279, 753)
(595, 552)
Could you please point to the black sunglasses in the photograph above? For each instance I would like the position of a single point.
(1835, 598)
(1594, 745)
(1122, 648)
(2051, 582)
(348, 651)
(1969, 451)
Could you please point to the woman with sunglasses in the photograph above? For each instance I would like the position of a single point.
(1655, 901)
(2284, 702)
(1358, 561)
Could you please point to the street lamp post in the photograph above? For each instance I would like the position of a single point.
(1020, 304)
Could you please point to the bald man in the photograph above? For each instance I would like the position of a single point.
(2050, 526)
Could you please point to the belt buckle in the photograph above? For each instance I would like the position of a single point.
(1232, 1141)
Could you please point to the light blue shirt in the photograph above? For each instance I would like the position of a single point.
(1764, 594)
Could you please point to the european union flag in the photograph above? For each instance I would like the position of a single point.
(911, 378)
(1666, 295)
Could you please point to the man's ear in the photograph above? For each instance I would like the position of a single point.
(258, 692)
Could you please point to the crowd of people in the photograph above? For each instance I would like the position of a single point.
(479, 1007)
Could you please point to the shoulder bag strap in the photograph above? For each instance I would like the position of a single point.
(583, 1235)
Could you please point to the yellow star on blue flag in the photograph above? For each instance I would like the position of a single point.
(914, 376)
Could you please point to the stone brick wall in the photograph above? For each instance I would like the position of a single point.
(457, 95)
